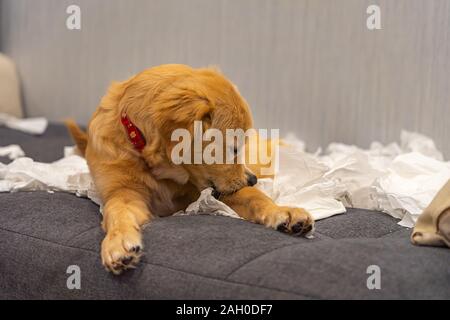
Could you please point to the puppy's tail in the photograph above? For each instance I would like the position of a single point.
(79, 136)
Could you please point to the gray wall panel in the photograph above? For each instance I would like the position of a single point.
(308, 66)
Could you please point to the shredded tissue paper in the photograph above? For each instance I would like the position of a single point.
(12, 151)
(398, 179)
(34, 126)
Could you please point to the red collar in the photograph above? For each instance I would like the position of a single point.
(134, 134)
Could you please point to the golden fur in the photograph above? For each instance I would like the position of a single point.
(135, 187)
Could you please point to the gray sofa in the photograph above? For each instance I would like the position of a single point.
(204, 257)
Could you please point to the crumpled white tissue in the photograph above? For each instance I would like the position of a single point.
(410, 183)
(207, 204)
(301, 182)
(12, 151)
(69, 174)
(35, 126)
(398, 179)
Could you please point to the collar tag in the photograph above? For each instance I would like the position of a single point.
(134, 134)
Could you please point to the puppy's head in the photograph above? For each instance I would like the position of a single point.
(206, 97)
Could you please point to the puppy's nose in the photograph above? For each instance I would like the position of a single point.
(251, 179)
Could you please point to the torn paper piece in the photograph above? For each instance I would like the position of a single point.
(301, 182)
(70, 174)
(12, 151)
(28, 125)
(207, 204)
(354, 171)
(415, 142)
(411, 183)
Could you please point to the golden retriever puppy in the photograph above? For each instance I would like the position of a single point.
(128, 147)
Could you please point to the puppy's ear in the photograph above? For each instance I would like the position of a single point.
(182, 116)
(201, 111)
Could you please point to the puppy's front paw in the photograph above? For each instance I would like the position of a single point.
(121, 249)
(295, 221)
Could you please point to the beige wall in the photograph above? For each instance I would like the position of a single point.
(311, 67)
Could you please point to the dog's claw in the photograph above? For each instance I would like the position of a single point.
(136, 249)
(283, 227)
(126, 261)
(308, 228)
(297, 228)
